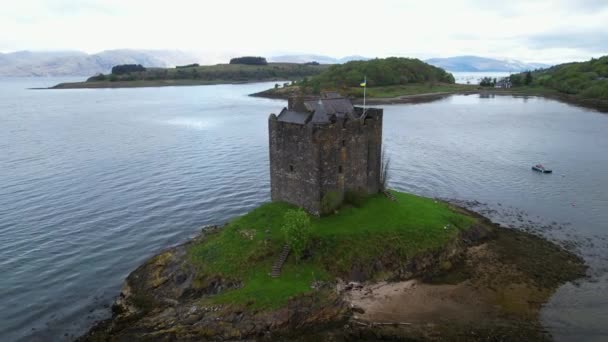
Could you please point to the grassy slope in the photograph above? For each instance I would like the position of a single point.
(584, 80)
(353, 236)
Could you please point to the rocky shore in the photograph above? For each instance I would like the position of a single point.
(488, 283)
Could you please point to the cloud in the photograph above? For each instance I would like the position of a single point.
(82, 7)
(593, 41)
(523, 7)
(588, 5)
(512, 29)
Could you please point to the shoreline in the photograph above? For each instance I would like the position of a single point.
(599, 105)
(149, 84)
(488, 281)
(595, 104)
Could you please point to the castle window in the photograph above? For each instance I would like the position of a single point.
(290, 168)
(343, 143)
(340, 169)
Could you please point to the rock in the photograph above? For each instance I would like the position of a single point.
(357, 309)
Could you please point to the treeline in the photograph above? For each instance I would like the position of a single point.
(588, 80)
(214, 73)
(512, 80)
(127, 68)
(187, 66)
(249, 60)
(379, 72)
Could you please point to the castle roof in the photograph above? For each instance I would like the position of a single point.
(319, 114)
(333, 106)
(319, 110)
(293, 117)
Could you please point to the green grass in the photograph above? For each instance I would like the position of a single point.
(378, 230)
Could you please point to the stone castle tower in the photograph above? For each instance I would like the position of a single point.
(323, 145)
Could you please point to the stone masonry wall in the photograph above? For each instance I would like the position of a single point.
(349, 157)
(308, 161)
(293, 173)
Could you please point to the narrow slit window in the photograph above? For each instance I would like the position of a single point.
(290, 168)
(340, 169)
(343, 143)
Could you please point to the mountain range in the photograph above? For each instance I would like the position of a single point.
(482, 64)
(315, 58)
(77, 63)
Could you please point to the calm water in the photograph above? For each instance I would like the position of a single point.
(93, 182)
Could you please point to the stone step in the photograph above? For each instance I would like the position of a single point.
(389, 195)
(278, 264)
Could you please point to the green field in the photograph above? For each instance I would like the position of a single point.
(246, 249)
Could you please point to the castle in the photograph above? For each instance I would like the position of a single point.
(322, 147)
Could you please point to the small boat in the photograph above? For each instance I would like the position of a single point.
(541, 168)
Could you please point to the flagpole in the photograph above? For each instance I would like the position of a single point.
(364, 87)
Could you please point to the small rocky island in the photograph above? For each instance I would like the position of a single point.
(376, 264)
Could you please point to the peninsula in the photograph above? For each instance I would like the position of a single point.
(239, 70)
(403, 80)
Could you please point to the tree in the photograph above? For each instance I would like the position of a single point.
(98, 77)
(127, 68)
(528, 79)
(486, 82)
(249, 60)
(194, 65)
(297, 230)
(276, 86)
(515, 80)
(316, 87)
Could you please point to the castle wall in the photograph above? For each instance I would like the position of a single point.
(350, 154)
(308, 161)
(373, 130)
(294, 174)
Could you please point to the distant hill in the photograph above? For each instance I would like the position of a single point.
(386, 77)
(315, 58)
(480, 64)
(194, 74)
(382, 72)
(76, 63)
(583, 80)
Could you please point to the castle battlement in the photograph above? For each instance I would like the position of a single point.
(321, 145)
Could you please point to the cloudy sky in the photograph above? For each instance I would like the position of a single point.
(549, 31)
